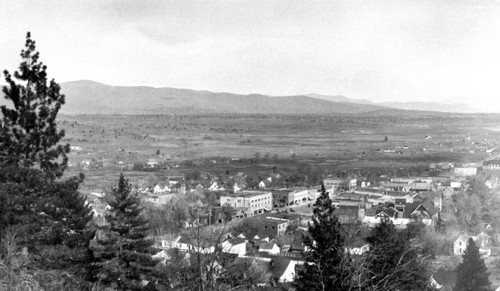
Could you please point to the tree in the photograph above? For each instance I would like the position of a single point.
(472, 273)
(327, 264)
(50, 213)
(29, 135)
(393, 263)
(123, 251)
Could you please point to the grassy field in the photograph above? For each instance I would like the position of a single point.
(239, 142)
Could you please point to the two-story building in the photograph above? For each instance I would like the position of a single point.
(270, 226)
(288, 197)
(257, 202)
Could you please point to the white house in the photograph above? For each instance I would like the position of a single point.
(481, 240)
(358, 248)
(270, 248)
(235, 246)
(159, 190)
(283, 269)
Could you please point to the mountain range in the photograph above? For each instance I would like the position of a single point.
(89, 97)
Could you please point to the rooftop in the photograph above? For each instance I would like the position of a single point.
(247, 194)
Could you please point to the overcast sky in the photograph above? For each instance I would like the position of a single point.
(399, 50)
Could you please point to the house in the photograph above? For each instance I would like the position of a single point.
(444, 280)
(435, 197)
(152, 163)
(358, 248)
(158, 189)
(481, 240)
(492, 165)
(421, 210)
(269, 247)
(386, 213)
(165, 243)
(235, 246)
(187, 244)
(162, 256)
(266, 183)
(283, 269)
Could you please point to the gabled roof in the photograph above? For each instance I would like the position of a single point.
(279, 266)
(390, 212)
(236, 241)
(445, 277)
(267, 246)
(425, 205)
(465, 238)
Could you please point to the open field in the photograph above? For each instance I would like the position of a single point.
(239, 142)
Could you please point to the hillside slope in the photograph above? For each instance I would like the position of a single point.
(88, 97)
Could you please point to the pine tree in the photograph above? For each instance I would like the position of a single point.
(29, 135)
(472, 274)
(51, 214)
(393, 263)
(124, 251)
(327, 265)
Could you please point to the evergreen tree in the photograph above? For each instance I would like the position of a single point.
(29, 135)
(327, 265)
(123, 251)
(50, 213)
(472, 274)
(393, 263)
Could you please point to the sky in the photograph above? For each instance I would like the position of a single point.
(383, 50)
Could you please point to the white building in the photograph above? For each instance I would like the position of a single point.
(257, 202)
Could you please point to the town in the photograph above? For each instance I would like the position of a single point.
(250, 145)
(265, 225)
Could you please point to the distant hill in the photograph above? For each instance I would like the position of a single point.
(88, 97)
(431, 106)
(340, 98)
(418, 106)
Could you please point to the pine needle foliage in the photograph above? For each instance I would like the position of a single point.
(472, 273)
(327, 264)
(29, 135)
(124, 251)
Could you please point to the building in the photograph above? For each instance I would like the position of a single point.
(270, 226)
(465, 171)
(283, 198)
(491, 165)
(481, 240)
(269, 247)
(350, 213)
(235, 246)
(435, 197)
(257, 202)
(340, 184)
